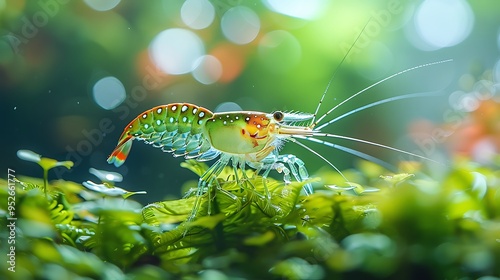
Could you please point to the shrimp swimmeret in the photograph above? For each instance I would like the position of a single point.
(245, 138)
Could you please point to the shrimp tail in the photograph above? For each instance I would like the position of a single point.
(120, 153)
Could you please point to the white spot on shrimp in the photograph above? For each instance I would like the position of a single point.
(227, 116)
(201, 114)
(184, 119)
(130, 126)
(174, 108)
(200, 122)
(247, 118)
(231, 121)
(158, 111)
(225, 122)
(146, 126)
(184, 108)
(237, 117)
(195, 110)
(258, 126)
(144, 116)
(158, 122)
(171, 120)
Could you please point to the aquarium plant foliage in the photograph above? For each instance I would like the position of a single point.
(380, 225)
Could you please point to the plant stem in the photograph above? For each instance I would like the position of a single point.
(45, 180)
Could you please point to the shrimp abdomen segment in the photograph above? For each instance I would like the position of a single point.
(175, 127)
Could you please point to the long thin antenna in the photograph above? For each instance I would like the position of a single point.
(335, 73)
(319, 134)
(377, 83)
(373, 104)
(317, 154)
(350, 151)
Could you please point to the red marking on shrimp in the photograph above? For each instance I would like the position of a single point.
(120, 156)
(256, 136)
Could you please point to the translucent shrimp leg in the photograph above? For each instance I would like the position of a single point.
(206, 182)
(289, 165)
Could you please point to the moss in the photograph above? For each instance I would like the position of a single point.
(390, 226)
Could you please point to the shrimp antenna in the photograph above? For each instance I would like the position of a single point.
(373, 104)
(330, 135)
(347, 150)
(379, 82)
(317, 154)
(313, 122)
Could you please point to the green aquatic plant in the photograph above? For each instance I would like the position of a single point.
(236, 212)
(108, 190)
(45, 163)
(107, 177)
(107, 187)
(394, 225)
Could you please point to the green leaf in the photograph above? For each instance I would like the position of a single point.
(396, 178)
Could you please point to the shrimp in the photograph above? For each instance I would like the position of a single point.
(240, 138)
(246, 138)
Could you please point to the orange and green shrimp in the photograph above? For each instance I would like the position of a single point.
(245, 138)
(241, 138)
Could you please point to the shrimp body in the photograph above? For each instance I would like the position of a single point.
(243, 138)
(246, 138)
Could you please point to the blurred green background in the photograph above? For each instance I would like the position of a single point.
(74, 73)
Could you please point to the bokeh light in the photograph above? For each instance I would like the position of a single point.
(469, 102)
(279, 51)
(443, 23)
(240, 25)
(231, 59)
(462, 101)
(305, 9)
(197, 14)
(175, 51)
(227, 107)
(208, 69)
(109, 92)
(455, 100)
(102, 5)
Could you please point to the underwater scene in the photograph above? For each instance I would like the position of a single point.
(260, 139)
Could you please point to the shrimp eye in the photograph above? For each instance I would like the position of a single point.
(278, 116)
